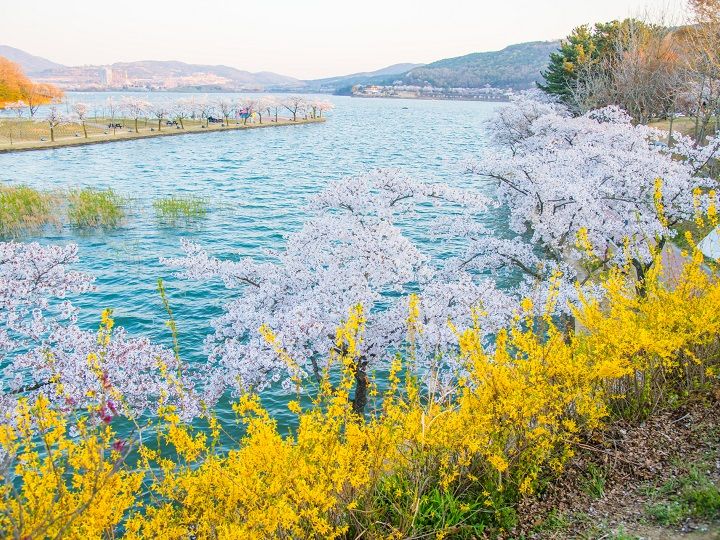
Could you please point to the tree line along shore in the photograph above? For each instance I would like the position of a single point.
(134, 118)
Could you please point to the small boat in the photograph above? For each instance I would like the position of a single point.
(406, 107)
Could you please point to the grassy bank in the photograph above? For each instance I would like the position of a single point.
(683, 124)
(21, 135)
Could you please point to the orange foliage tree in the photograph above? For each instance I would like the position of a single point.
(16, 86)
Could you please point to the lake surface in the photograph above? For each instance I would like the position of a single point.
(257, 183)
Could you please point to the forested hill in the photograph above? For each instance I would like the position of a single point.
(516, 66)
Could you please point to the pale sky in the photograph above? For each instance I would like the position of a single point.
(304, 39)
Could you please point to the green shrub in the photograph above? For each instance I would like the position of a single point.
(90, 207)
(174, 208)
(23, 209)
(668, 513)
(692, 495)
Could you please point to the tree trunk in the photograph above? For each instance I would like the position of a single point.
(159, 124)
(52, 134)
(84, 129)
(361, 388)
(136, 129)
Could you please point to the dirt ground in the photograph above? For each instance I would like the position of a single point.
(659, 480)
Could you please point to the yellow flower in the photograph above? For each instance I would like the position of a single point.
(498, 462)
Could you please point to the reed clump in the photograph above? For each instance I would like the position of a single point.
(91, 207)
(177, 208)
(24, 209)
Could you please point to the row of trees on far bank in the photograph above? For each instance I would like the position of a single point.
(226, 108)
(653, 71)
(203, 109)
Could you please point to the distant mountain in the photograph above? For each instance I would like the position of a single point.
(395, 69)
(384, 75)
(517, 66)
(146, 74)
(30, 64)
(158, 69)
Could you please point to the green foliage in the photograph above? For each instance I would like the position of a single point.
(585, 49)
(693, 495)
(517, 66)
(174, 208)
(23, 209)
(437, 510)
(668, 513)
(90, 207)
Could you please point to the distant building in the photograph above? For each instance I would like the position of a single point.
(106, 76)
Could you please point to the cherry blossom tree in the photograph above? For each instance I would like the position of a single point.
(114, 108)
(351, 252)
(295, 105)
(263, 105)
(226, 107)
(317, 107)
(245, 106)
(42, 349)
(595, 180)
(160, 111)
(54, 118)
(135, 108)
(206, 109)
(323, 106)
(273, 106)
(18, 107)
(192, 107)
(80, 110)
(181, 109)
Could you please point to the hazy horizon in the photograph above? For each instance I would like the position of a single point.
(321, 39)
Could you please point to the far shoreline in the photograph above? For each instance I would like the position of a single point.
(272, 92)
(425, 98)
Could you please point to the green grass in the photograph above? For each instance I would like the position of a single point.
(174, 208)
(682, 124)
(26, 133)
(91, 207)
(555, 521)
(621, 534)
(693, 495)
(593, 483)
(23, 209)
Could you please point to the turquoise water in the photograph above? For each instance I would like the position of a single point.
(257, 183)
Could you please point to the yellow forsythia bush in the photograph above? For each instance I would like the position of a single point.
(447, 463)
